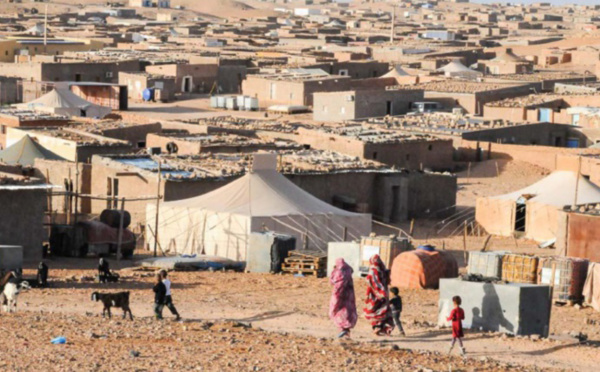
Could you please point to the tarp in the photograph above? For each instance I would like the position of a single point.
(422, 269)
(219, 223)
(544, 199)
(591, 288)
(65, 102)
(25, 151)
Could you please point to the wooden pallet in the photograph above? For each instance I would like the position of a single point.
(306, 262)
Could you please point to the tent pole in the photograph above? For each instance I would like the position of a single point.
(577, 179)
(157, 209)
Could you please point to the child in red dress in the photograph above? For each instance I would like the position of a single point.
(456, 316)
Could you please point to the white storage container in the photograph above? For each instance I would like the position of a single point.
(486, 264)
(251, 104)
(220, 101)
(231, 103)
(214, 101)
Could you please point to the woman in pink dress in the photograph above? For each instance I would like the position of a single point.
(342, 307)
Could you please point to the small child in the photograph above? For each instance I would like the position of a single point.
(456, 316)
(168, 298)
(160, 294)
(396, 303)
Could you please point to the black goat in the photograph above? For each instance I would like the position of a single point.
(120, 299)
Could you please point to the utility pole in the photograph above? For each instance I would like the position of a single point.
(121, 223)
(46, 28)
(157, 206)
(393, 23)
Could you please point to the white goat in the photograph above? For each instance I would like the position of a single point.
(10, 294)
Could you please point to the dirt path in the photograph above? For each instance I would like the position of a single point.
(299, 306)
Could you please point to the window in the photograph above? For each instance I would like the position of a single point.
(6, 52)
(141, 144)
(407, 157)
(343, 110)
(324, 108)
(430, 147)
(374, 155)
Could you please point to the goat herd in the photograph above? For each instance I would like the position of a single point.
(12, 283)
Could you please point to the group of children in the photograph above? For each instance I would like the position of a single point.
(457, 315)
(162, 296)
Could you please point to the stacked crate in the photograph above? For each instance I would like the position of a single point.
(486, 264)
(519, 268)
(387, 247)
(569, 277)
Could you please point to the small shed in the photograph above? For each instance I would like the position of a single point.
(535, 209)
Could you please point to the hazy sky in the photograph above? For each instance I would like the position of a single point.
(554, 2)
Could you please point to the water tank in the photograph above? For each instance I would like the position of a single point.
(148, 94)
(231, 103)
(240, 102)
(214, 102)
(251, 104)
(221, 102)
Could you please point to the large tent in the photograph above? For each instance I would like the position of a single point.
(536, 207)
(219, 223)
(25, 151)
(65, 102)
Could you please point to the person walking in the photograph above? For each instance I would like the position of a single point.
(396, 303)
(342, 306)
(168, 298)
(160, 294)
(456, 316)
(42, 275)
(377, 309)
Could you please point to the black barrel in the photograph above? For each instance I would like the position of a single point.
(112, 217)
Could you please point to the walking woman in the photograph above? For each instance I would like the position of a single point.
(342, 307)
(377, 309)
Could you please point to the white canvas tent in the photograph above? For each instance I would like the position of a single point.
(219, 223)
(543, 200)
(397, 71)
(64, 102)
(456, 69)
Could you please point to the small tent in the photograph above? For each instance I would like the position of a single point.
(456, 69)
(219, 223)
(25, 151)
(534, 210)
(397, 71)
(64, 102)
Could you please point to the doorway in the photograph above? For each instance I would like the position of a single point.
(395, 203)
(520, 216)
(186, 86)
(388, 108)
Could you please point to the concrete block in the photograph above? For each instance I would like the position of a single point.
(515, 308)
(349, 251)
(11, 257)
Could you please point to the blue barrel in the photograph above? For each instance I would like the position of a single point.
(148, 94)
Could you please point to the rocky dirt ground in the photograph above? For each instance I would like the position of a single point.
(240, 321)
